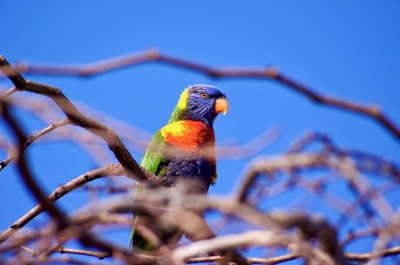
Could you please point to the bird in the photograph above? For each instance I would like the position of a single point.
(183, 149)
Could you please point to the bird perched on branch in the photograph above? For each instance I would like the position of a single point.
(183, 149)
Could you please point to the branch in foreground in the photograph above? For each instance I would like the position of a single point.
(178, 211)
(91, 241)
(292, 162)
(111, 170)
(252, 239)
(24, 170)
(139, 139)
(152, 55)
(312, 227)
(365, 162)
(360, 257)
(63, 220)
(34, 137)
(62, 250)
(132, 168)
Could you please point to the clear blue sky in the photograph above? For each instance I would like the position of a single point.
(347, 49)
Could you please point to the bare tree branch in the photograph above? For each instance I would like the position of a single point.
(111, 170)
(115, 144)
(63, 221)
(373, 112)
(62, 250)
(34, 137)
(291, 162)
(180, 209)
(365, 162)
(24, 170)
(9, 92)
(373, 255)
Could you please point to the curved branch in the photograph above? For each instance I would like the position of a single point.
(363, 257)
(132, 168)
(153, 55)
(365, 162)
(56, 213)
(34, 137)
(111, 170)
(24, 171)
(73, 114)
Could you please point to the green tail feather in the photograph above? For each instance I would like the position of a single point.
(136, 240)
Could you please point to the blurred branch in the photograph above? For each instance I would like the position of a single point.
(373, 112)
(9, 92)
(314, 227)
(293, 162)
(253, 238)
(364, 257)
(111, 170)
(158, 204)
(23, 168)
(249, 149)
(172, 209)
(177, 208)
(34, 137)
(360, 257)
(47, 112)
(252, 260)
(357, 235)
(365, 162)
(132, 168)
(62, 250)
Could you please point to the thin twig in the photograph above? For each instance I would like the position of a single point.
(34, 137)
(62, 250)
(24, 171)
(9, 92)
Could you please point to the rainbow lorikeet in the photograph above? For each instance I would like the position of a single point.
(184, 148)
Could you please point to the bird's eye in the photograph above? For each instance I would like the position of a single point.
(204, 95)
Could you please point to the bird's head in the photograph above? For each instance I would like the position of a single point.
(200, 103)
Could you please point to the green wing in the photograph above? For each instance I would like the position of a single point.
(153, 161)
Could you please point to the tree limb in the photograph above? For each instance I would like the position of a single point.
(373, 112)
(111, 170)
(132, 168)
(34, 137)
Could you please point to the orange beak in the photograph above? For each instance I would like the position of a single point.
(221, 105)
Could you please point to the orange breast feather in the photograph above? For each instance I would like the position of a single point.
(189, 136)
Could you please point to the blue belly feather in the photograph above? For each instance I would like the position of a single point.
(198, 170)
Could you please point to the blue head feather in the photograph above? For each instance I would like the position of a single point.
(201, 103)
(197, 102)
